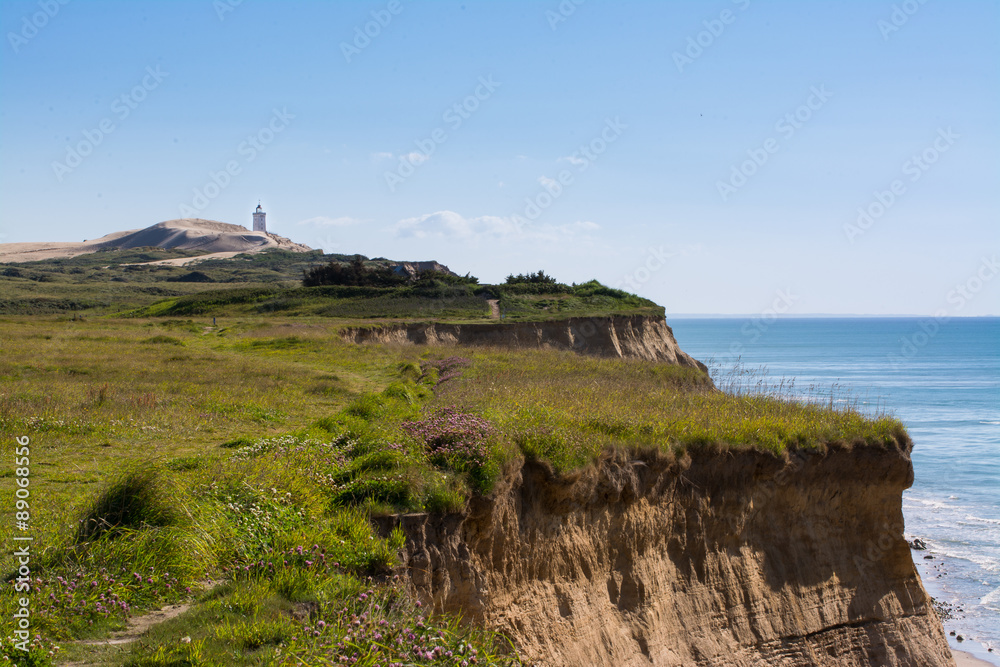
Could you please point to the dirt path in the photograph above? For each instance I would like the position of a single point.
(494, 308)
(138, 625)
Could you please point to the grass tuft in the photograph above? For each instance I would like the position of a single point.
(138, 499)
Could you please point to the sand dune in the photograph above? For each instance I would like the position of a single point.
(186, 234)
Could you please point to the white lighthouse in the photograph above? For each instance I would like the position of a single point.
(259, 225)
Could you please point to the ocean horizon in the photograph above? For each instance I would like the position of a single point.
(941, 378)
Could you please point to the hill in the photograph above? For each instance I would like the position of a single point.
(209, 237)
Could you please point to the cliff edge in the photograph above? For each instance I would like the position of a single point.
(730, 558)
(623, 336)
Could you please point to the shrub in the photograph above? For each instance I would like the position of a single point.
(447, 278)
(537, 278)
(352, 273)
(453, 440)
(192, 277)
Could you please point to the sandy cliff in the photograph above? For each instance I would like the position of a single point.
(625, 336)
(733, 559)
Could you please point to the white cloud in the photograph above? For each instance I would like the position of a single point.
(575, 160)
(448, 224)
(581, 229)
(452, 225)
(378, 157)
(547, 182)
(416, 158)
(325, 221)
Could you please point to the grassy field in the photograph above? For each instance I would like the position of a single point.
(124, 283)
(235, 468)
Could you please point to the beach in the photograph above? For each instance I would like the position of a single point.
(963, 659)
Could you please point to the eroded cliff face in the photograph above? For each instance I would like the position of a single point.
(721, 559)
(624, 336)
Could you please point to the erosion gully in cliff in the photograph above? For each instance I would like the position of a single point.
(736, 558)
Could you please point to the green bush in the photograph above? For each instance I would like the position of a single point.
(537, 278)
(354, 273)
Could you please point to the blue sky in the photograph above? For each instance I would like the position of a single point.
(712, 156)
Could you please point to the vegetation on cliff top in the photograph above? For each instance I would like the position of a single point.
(291, 285)
(167, 453)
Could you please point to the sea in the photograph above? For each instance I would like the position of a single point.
(941, 378)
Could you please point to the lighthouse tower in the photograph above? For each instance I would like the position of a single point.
(259, 225)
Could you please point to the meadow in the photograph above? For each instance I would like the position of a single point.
(234, 468)
(125, 283)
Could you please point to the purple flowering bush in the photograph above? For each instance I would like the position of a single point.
(457, 441)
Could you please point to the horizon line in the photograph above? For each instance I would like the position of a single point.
(695, 316)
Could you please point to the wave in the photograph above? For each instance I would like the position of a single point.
(936, 504)
(979, 519)
(991, 598)
(974, 557)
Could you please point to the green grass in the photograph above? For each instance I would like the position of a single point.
(566, 409)
(168, 453)
(117, 281)
(532, 302)
(123, 283)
